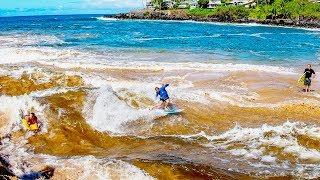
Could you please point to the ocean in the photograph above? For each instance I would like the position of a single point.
(91, 80)
(188, 41)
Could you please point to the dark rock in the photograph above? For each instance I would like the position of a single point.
(5, 172)
(181, 15)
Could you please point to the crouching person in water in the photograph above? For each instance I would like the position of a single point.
(164, 97)
(30, 122)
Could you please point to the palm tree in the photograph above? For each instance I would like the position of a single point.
(157, 3)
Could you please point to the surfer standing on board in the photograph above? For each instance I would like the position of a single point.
(309, 73)
(164, 97)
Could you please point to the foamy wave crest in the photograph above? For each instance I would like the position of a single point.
(11, 55)
(284, 136)
(106, 19)
(179, 37)
(167, 66)
(28, 40)
(293, 147)
(24, 162)
(90, 167)
(290, 149)
(111, 114)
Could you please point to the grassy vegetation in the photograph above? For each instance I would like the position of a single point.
(222, 12)
(278, 9)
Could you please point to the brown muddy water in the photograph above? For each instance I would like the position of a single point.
(97, 122)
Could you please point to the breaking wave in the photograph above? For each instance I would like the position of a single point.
(289, 147)
(110, 114)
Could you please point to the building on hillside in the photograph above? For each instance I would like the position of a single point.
(214, 3)
(246, 3)
(188, 4)
(149, 4)
(251, 4)
(168, 4)
(238, 2)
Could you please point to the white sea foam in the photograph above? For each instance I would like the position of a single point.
(4, 72)
(178, 37)
(18, 40)
(253, 142)
(106, 19)
(24, 162)
(51, 91)
(250, 145)
(185, 90)
(40, 74)
(93, 168)
(153, 65)
(12, 55)
(111, 114)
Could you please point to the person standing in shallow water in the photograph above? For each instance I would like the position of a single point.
(309, 73)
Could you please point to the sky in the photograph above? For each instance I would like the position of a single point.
(57, 7)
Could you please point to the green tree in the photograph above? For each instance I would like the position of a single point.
(279, 8)
(203, 3)
(295, 10)
(158, 4)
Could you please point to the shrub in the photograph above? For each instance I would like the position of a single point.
(203, 3)
(287, 9)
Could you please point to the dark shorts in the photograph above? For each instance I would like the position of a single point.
(307, 82)
(164, 100)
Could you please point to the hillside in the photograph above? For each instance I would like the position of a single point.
(285, 13)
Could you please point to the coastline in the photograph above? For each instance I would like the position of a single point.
(181, 15)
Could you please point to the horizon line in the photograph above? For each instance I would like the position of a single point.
(56, 15)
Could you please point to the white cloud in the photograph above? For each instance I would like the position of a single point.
(114, 3)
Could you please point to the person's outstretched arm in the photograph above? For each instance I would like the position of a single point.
(314, 74)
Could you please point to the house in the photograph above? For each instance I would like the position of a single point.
(247, 3)
(237, 2)
(188, 4)
(250, 4)
(149, 4)
(168, 4)
(242, 2)
(214, 3)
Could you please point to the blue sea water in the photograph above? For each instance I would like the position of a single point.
(177, 41)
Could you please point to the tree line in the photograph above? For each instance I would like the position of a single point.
(263, 9)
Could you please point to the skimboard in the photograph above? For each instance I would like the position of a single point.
(173, 110)
(32, 127)
(301, 79)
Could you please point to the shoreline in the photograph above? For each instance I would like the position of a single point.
(178, 16)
